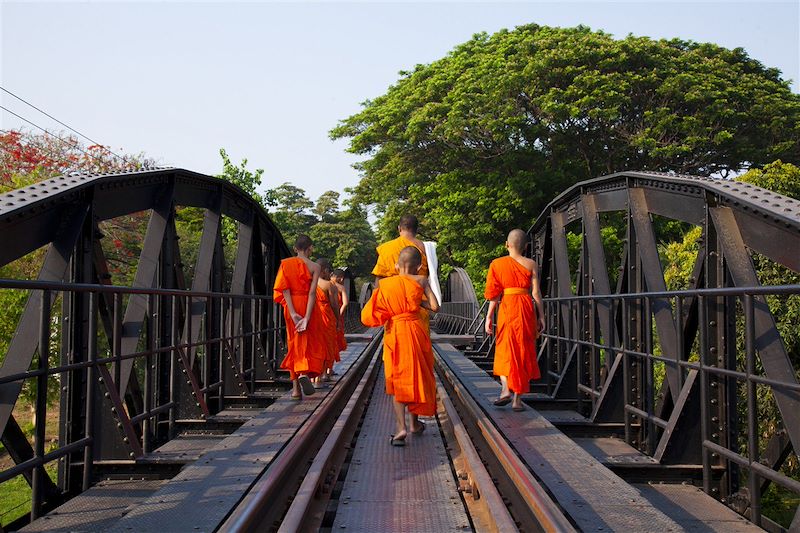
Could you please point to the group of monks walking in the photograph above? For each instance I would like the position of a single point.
(314, 300)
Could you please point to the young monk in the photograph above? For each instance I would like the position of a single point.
(328, 302)
(514, 279)
(296, 289)
(407, 352)
(388, 252)
(344, 302)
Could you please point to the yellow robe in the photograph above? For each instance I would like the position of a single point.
(389, 253)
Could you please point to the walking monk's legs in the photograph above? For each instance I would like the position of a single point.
(400, 419)
(296, 389)
(504, 392)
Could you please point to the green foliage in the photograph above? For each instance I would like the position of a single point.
(15, 495)
(679, 258)
(246, 180)
(343, 235)
(479, 141)
(782, 178)
(292, 210)
(241, 176)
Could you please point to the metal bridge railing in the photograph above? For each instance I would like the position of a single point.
(460, 318)
(704, 402)
(465, 318)
(193, 350)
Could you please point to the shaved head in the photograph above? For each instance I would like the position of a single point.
(324, 264)
(410, 258)
(517, 239)
(409, 223)
(302, 243)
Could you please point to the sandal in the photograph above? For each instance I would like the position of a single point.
(518, 408)
(296, 398)
(306, 385)
(397, 442)
(421, 428)
(502, 400)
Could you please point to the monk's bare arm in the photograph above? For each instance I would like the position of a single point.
(345, 301)
(537, 297)
(333, 298)
(433, 302)
(287, 297)
(312, 299)
(488, 326)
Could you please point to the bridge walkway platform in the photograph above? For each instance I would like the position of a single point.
(577, 474)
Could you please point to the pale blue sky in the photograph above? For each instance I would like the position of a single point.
(267, 81)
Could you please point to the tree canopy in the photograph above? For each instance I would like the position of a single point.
(340, 233)
(478, 141)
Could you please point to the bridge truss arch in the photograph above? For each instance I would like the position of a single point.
(131, 362)
(614, 328)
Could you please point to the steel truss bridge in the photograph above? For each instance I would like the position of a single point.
(157, 404)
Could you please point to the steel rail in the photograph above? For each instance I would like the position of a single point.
(762, 290)
(264, 503)
(136, 355)
(308, 506)
(6, 283)
(536, 505)
(485, 496)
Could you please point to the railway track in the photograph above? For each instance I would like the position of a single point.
(459, 475)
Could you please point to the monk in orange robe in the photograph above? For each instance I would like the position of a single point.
(344, 302)
(296, 290)
(389, 252)
(514, 279)
(328, 302)
(407, 351)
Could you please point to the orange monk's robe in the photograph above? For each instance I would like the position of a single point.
(407, 352)
(305, 350)
(329, 320)
(389, 253)
(515, 342)
(340, 340)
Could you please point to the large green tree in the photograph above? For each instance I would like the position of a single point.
(340, 233)
(291, 210)
(478, 141)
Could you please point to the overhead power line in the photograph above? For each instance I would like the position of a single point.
(62, 123)
(75, 146)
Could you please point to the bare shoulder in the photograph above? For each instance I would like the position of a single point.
(324, 284)
(530, 264)
(312, 266)
(422, 281)
(420, 244)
